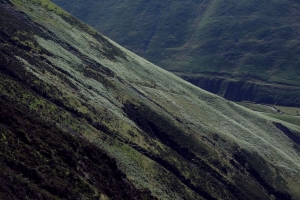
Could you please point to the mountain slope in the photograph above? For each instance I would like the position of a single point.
(241, 50)
(60, 77)
(40, 161)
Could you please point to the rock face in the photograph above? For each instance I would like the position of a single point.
(256, 40)
(82, 117)
(246, 90)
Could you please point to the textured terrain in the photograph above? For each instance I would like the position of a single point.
(241, 50)
(84, 118)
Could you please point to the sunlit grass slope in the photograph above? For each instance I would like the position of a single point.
(287, 114)
(257, 38)
(248, 46)
(167, 136)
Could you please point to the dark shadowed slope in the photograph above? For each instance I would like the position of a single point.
(241, 50)
(82, 116)
(41, 161)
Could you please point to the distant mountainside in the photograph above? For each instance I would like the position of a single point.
(83, 118)
(241, 50)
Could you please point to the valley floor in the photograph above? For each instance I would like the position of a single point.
(287, 114)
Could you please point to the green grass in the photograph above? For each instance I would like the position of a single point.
(253, 40)
(288, 110)
(233, 37)
(45, 4)
(258, 107)
(43, 162)
(287, 114)
(168, 136)
(272, 109)
(287, 118)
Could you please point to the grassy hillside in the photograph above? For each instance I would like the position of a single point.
(256, 42)
(74, 102)
(40, 161)
(288, 114)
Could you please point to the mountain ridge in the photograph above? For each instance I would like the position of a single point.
(243, 39)
(166, 135)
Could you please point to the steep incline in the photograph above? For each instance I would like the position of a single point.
(218, 45)
(60, 77)
(41, 161)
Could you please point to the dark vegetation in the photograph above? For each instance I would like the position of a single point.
(252, 164)
(185, 147)
(293, 136)
(44, 157)
(39, 161)
(247, 89)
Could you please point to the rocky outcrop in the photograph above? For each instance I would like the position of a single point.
(247, 90)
